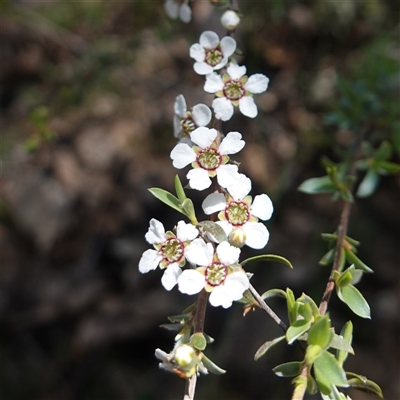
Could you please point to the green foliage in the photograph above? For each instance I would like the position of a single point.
(362, 383)
(268, 258)
(354, 299)
(288, 369)
(266, 346)
(198, 341)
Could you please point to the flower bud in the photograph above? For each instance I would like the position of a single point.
(230, 20)
(185, 355)
(237, 238)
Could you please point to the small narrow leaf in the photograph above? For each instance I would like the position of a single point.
(355, 300)
(211, 366)
(368, 184)
(341, 344)
(266, 346)
(364, 384)
(327, 259)
(327, 366)
(322, 184)
(346, 335)
(167, 198)
(171, 327)
(353, 259)
(188, 208)
(319, 333)
(214, 230)
(297, 329)
(180, 192)
(268, 257)
(273, 293)
(288, 369)
(291, 305)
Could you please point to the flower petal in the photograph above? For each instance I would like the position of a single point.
(197, 52)
(209, 40)
(156, 232)
(182, 155)
(232, 143)
(226, 226)
(177, 126)
(221, 64)
(227, 254)
(203, 136)
(171, 275)
(262, 207)
(198, 179)
(171, 8)
(213, 83)
(228, 46)
(227, 175)
(199, 252)
(186, 231)
(214, 202)
(236, 284)
(257, 234)
(223, 108)
(235, 71)
(191, 281)
(247, 107)
(220, 297)
(180, 106)
(202, 68)
(201, 115)
(149, 261)
(185, 13)
(257, 83)
(241, 188)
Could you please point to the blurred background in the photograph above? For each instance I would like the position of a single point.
(87, 93)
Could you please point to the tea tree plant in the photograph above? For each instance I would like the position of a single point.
(203, 258)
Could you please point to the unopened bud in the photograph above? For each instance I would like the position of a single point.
(237, 238)
(184, 355)
(230, 20)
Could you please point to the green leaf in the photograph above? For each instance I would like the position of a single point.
(273, 293)
(312, 353)
(214, 230)
(386, 167)
(319, 333)
(266, 346)
(211, 366)
(341, 344)
(167, 198)
(362, 383)
(345, 194)
(311, 385)
(384, 152)
(291, 305)
(322, 184)
(327, 259)
(297, 329)
(180, 192)
(305, 310)
(268, 258)
(307, 299)
(344, 279)
(198, 341)
(355, 300)
(188, 208)
(346, 334)
(368, 184)
(358, 264)
(288, 369)
(171, 327)
(327, 366)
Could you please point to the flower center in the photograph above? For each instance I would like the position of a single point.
(209, 159)
(233, 90)
(188, 125)
(237, 213)
(216, 274)
(172, 250)
(214, 56)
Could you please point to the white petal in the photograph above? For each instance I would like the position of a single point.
(180, 106)
(235, 71)
(213, 83)
(228, 46)
(223, 108)
(241, 188)
(171, 275)
(230, 20)
(186, 231)
(209, 40)
(201, 114)
(185, 13)
(214, 202)
(171, 8)
(182, 155)
(156, 232)
(149, 261)
(220, 297)
(257, 83)
(232, 143)
(199, 252)
(226, 226)
(191, 281)
(202, 68)
(177, 126)
(262, 207)
(247, 107)
(198, 179)
(203, 136)
(221, 64)
(228, 254)
(196, 51)
(227, 175)
(257, 234)
(236, 283)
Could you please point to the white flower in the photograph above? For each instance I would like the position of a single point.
(207, 158)
(211, 54)
(239, 216)
(176, 8)
(169, 250)
(230, 20)
(185, 121)
(235, 89)
(218, 273)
